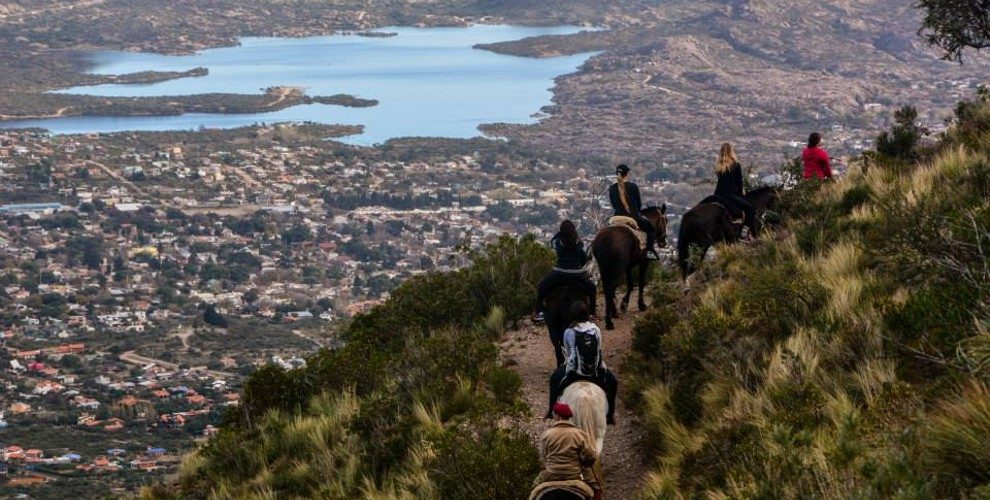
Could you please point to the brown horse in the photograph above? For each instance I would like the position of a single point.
(560, 302)
(709, 223)
(617, 252)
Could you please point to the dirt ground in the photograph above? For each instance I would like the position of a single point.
(528, 351)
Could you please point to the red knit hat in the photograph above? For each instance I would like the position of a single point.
(562, 410)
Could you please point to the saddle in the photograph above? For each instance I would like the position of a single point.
(576, 487)
(630, 224)
(717, 200)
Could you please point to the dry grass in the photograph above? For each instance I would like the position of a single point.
(959, 435)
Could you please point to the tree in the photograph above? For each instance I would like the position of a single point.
(902, 138)
(955, 25)
(214, 318)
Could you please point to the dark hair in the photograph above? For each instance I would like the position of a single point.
(580, 312)
(622, 169)
(568, 234)
(814, 139)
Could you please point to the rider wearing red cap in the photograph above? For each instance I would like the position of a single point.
(566, 450)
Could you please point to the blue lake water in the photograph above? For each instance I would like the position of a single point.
(428, 81)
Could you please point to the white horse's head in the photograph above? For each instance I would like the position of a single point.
(589, 405)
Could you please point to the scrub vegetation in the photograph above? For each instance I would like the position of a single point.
(847, 354)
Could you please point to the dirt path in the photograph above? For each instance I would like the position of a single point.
(528, 351)
(116, 176)
(136, 359)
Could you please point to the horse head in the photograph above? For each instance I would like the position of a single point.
(658, 216)
(763, 198)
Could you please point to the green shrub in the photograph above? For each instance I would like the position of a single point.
(504, 384)
(958, 436)
(495, 464)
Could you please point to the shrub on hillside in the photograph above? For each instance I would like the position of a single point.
(819, 364)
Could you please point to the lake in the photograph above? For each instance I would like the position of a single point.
(428, 81)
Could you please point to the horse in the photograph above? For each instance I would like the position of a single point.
(589, 406)
(617, 252)
(560, 302)
(709, 223)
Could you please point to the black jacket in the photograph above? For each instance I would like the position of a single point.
(730, 183)
(571, 258)
(632, 196)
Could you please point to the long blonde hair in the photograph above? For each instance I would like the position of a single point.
(726, 159)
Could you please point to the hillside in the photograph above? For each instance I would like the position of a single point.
(845, 356)
(674, 79)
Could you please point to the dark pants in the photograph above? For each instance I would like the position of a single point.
(561, 378)
(651, 232)
(739, 207)
(556, 279)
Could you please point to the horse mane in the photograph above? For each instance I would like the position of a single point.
(651, 209)
(589, 405)
(762, 190)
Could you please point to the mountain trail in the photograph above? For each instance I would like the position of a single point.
(528, 352)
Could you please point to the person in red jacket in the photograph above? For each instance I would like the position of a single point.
(816, 161)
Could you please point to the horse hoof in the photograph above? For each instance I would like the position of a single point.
(642, 307)
(609, 326)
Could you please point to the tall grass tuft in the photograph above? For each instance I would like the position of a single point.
(958, 436)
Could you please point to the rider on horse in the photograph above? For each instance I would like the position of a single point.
(729, 188)
(625, 199)
(584, 361)
(568, 452)
(569, 270)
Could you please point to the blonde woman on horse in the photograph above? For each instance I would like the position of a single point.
(729, 187)
(626, 201)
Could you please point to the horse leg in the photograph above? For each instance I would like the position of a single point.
(630, 284)
(609, 287)
(557, 339)
(643, 270)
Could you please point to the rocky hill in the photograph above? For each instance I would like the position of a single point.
(674, 79)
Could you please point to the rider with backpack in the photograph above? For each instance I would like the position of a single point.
(569, 269)
(585, 361)
(626, 201)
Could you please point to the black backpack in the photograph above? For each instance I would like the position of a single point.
(588, 353)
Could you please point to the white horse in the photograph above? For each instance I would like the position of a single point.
(589, 406)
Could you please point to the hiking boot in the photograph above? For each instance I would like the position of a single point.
(652, 255)
(539, 318)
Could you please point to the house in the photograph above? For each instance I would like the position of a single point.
(155, 452)
(34, 454)
(144, 464)
(114, 424)
(13, 452)
(30, 480)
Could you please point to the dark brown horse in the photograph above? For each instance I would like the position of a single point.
(617, 252)
(560, 302)
(709, 223)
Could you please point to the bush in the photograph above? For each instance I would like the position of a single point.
(504, 384)
(497, 464)
(958, 441)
